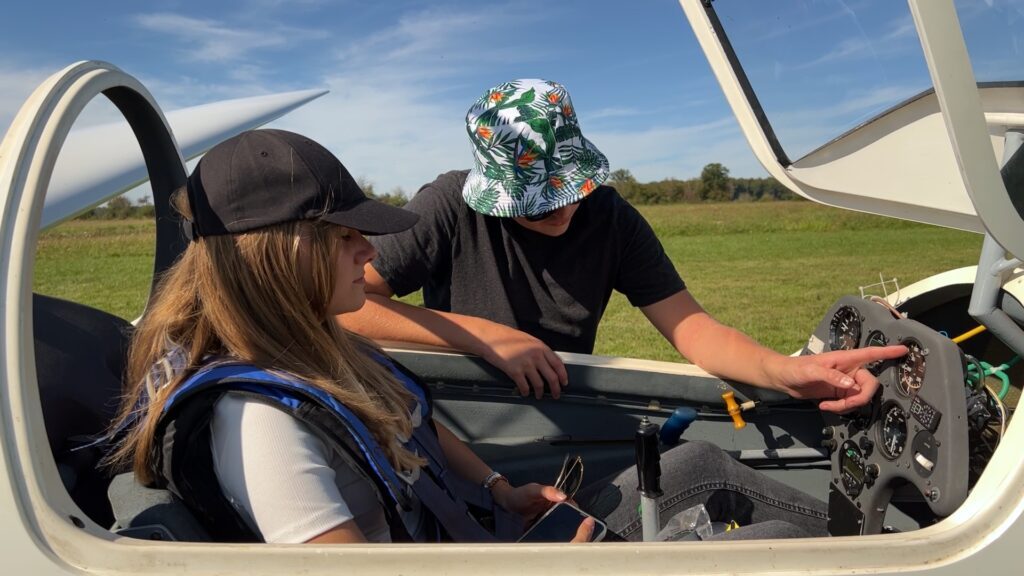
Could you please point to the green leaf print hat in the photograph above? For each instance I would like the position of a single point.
(530, 155)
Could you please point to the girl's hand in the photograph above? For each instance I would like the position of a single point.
(585, 531)
(529, 500)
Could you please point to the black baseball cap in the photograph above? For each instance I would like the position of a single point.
(265, 177)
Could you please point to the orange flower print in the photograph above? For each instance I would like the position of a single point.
(555, 182)
(567, 109)
(497, 97)
(553, 97)
(588, 186)
(526, 159)
(484, 132)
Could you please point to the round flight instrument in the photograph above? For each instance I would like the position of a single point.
(911, 369)
(844, 329)
(892, 431)
(876, 338)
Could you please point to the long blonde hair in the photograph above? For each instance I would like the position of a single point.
(247, 296)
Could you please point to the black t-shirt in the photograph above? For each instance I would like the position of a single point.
(555, 288)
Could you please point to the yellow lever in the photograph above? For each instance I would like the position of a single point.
(734, 410)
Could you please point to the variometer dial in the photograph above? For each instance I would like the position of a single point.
(892, 432)
(844, 329)
(911, 369)
(876, 338)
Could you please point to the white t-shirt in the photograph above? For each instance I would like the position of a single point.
(284, 481)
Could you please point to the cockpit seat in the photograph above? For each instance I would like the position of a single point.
(80, 355)
(152, 514)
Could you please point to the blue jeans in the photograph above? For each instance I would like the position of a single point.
(701, 473)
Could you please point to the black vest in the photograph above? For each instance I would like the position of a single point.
(184, 461)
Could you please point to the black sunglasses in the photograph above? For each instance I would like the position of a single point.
(570, 478)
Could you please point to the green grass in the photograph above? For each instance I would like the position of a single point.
(107, 264)
(770, 269)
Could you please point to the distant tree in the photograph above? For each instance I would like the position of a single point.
(366, 185)
(627, 186)
(143, 201)
(714, 183)
(119, 208)
(621, 176)
(395, 198)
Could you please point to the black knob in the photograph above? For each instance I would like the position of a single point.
(829, 445)
(828, 431)
(866, 444)
(872, 471)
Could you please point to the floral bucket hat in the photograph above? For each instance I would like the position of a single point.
(530, 155)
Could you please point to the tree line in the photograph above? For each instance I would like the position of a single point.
(713, 185)
(121, 208)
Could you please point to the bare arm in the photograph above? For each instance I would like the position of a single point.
(528, 500)
(838, 377)
(344, 533)
(525, 359)
(708, 343)
(383, 318)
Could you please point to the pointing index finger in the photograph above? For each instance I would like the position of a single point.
(874, 353)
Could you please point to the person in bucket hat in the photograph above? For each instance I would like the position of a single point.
(530, 156)
(518, 257)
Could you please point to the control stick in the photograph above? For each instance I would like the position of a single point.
(648, 468)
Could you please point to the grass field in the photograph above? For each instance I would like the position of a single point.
(770, 269)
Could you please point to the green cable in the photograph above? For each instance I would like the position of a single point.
(985, 369)
(975, 380)
(1000, 372)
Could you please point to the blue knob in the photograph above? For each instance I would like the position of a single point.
(676, 424)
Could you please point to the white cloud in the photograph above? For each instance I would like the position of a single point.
(392, 137)
(16, 85)
(899, 37)
(805, 129)
(679, 152)
(395, 114)
(867, 102)
(274, 4)
(439, 42)
(208, 40)
(614, 112)
(18, 82)
(788, 22)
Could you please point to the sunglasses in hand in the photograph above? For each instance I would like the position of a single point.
(570, 477)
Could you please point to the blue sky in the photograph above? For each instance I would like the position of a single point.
(403, 73)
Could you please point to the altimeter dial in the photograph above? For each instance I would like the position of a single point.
(911, 369)
(844, 329)
(892, 432)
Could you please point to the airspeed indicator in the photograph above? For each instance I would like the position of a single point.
(844, 329)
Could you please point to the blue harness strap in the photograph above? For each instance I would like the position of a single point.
(247, 378)
(439, 491)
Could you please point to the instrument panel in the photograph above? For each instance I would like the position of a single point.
(913, 432)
